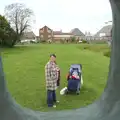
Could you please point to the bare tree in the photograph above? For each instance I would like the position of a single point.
(19, 17)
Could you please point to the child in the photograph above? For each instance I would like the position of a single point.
(73, 76)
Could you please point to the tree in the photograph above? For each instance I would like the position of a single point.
(73, 39)
(19, 17)
(7, 34)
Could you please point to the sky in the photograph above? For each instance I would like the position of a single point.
(87, 15)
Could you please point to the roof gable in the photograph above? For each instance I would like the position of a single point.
(77, 32)
(106, 29)
(45, 27)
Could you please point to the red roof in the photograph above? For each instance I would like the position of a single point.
(45, 26)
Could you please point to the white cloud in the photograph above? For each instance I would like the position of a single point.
(87, 15)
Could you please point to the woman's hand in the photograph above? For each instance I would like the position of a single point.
(57, 68)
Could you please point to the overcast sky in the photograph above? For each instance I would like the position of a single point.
(87, 15)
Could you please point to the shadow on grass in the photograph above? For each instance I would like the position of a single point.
(87, 96)
(86, 91)
(72, 101)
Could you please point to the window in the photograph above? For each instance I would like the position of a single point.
(49, 31)
(41, 36)
(102, 34)
(49, 36)
(41, 31)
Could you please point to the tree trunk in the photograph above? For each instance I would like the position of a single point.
(106, 108)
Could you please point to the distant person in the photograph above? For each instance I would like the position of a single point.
(51, 75)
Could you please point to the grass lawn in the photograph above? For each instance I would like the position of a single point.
(24, 69)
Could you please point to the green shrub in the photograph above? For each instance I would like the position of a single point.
(86, 47)
(84, 41)
(62, 41)
(43, 41)
(98, 41)
(107, 53)
(72, 39)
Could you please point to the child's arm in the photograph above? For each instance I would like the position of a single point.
(68, 76)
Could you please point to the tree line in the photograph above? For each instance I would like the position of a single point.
(15, 21)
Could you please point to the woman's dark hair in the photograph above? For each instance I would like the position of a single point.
(53, 55)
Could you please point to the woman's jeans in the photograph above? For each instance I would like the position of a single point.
(51, 97)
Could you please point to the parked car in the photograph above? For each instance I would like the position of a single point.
(28, 41)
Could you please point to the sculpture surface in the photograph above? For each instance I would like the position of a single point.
(106, 108)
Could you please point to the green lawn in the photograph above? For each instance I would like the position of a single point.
(24, 69)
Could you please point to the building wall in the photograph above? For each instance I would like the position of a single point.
(64, 36)
(45, 33)
(28, 35)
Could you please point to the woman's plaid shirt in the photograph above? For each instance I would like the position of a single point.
(51, 75)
